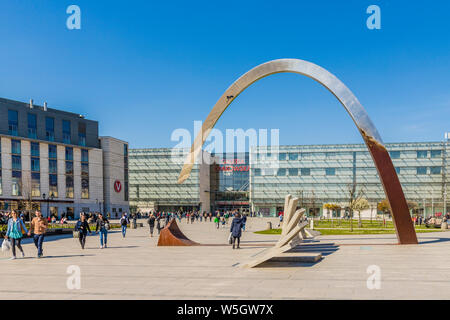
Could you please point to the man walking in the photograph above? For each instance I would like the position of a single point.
(38, 227)
(124, 223)
(83, 228)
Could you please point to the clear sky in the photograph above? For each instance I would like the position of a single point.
(146, 68)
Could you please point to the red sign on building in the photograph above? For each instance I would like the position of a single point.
(117, 186)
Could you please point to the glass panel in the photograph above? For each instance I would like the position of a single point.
(422, 154)
(330, 171)
(13, 122)
(421, 170)
(293, 171)
(435, 170)
(394, 154)
(32, 126)
(52, 151)
(281, 172)
(293, 156)
(305, 171)
(436, 153)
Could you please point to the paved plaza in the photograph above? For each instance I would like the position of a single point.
(135, 268)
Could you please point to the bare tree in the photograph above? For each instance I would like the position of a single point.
(355, 193)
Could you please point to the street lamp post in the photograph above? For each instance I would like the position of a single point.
(44, 197)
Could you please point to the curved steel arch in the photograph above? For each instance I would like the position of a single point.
(388, 176)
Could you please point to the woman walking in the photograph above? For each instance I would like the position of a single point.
(16, 230)
(83, 228)
(151, 223)
(236, 226)
(102, 226)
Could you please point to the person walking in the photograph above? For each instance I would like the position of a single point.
(83, 227)
(38, 227)
(101, 228)
(124, 223)
(15, 231)
(158, 224)
(151, 224)
(217, 221)
(244, 221)
(236, 226)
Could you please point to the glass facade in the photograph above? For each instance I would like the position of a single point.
(320, 174)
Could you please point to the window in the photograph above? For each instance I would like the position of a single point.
(35, 184)
(394, 154)
(281, 172)
(330, 171)
(293, 171)
(330, 155)
(305, 171)
(397, 169)
(13, 122)
(257, 172)
(69, 154)
(32, 126)
(293, 156)
(34, 149)
(421, 154)
(282, 156)
(16, 162)
(268, 172)
(15, 147)
(436, 153)
(16, 183)
(421, 170)
(66, 131)
(435, 170)
(82, 134)
(84, 174)
(69, 167)
(53, 184)
(50, 129)
(52, 151)
(52, 166)
(1, 188)
(35, 164)
(69, 186)
(84, 155)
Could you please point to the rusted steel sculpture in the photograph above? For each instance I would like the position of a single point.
(389, 179)
(171, 235)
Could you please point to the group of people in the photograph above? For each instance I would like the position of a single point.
(17, 229)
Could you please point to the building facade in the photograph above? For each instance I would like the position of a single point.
(51, 160)
(320, 174)
(153, 181)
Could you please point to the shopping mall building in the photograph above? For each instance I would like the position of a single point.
(259, 180)
(55, 161)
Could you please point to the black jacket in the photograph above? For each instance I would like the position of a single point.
(236, 227)
(101, 224)
(82, 226)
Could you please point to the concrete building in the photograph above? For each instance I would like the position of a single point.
(51, 160)
(153, 181)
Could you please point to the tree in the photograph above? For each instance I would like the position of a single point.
(412, 206)
(360, 205)
(355, 195)
(384, 207)
(331, 207)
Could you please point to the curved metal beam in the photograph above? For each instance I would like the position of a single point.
(391, 184)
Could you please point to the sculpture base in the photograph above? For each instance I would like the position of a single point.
(171, 235)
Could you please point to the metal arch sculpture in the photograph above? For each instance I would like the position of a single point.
(388, 176)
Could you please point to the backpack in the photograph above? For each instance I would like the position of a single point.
(124, 221)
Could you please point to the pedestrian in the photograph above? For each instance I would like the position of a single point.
(151, 224)
(217, 221)
(101, 228)
(83, 228)
(124, 223)
(15, 231)
(244, 221)
(38, 227)
(158, 224)
(236, 226)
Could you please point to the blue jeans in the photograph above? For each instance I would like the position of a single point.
(124, 231)
(103, 236)
(38, 240)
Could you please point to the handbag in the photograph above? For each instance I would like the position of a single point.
(6, 245)
(76, 234)
(107, 226)
(230, 238)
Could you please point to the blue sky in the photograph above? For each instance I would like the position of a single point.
(146, 68)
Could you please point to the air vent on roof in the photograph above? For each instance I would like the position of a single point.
(31, 103)
(45, 106)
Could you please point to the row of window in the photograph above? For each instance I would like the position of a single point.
(332, 171)
(33, 186)
(13, 125)
(421, 154)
